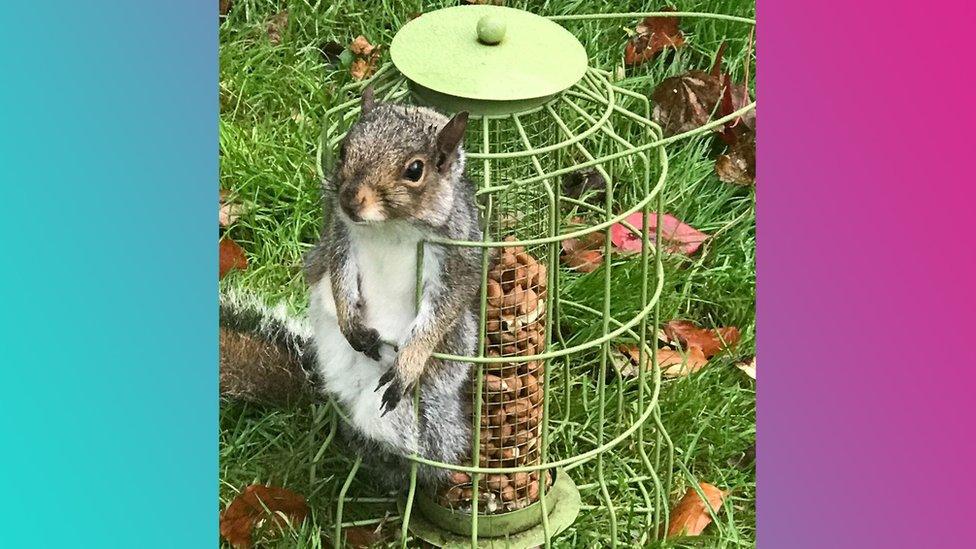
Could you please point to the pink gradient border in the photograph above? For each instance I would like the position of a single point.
(866, 273)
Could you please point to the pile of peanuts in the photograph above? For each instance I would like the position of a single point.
(512, 392)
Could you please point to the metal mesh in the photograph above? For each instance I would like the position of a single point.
(532, 373)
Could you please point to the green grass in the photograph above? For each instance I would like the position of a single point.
(272, 99)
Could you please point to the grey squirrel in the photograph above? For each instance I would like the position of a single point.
(399, 180)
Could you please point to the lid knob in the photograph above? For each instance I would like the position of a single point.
(491, 30)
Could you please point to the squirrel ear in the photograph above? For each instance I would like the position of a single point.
(368, 100)
(450, 136)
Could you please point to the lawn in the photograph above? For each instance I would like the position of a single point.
(273, 93)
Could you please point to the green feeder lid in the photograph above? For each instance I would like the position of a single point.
(487, 59)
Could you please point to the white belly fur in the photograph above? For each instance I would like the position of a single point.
(386, 259)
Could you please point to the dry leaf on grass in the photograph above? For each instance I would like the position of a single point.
(367, 58)
(690, 516)
(231, 257)
(251, 509)
(361, 46)
(738, 164)
(230, 209)
(276, 26)
(225, 6)
(686, 101)
(748, 366)
(677, 364)
(583, 254)
(654, 34)
(709, 341)
(673, 363)
(361, 69)
(678, 237)
(361, 537)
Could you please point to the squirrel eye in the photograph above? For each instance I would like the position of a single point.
(414, 171)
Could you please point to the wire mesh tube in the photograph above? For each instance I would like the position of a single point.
(512, 392)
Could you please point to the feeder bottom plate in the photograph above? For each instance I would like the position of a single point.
(562, 500)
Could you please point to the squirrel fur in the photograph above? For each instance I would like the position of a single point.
(399, 180)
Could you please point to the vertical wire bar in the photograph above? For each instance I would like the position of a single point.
(404, 527)
(604, 351)
(339, 542)
(482, 310)
(548, 371)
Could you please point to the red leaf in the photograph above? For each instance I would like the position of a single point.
(677, 236)
(654, 34)
(249, 508)
(690, 516)
(231, 257)
(709, 341)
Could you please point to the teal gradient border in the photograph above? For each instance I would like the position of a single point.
(108, 347)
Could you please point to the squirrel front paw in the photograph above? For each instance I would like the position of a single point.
(365, 340)
(402, 378)
(395, 392)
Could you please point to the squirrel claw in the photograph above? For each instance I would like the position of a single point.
(384, 379)
(394, 393)
(391, 397)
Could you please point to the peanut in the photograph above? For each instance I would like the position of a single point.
(508, 493)
(528, 303)
(494, 292)
(530, 388)
(496, 482)
(494, 384)
(457, 477)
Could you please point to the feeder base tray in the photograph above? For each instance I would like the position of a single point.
(562, 501)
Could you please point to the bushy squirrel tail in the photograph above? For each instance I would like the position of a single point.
(266, 355)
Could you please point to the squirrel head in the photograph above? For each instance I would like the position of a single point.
(400, 162)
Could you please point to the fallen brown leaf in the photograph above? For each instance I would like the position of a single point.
(687, 101)
(225, 6)
(748, 366)
(654, 34)
(361, 69)
(583, 254)
(361, 537)
(367, 58)
(675, 364)
(276, 25)
(230, 210)
(709, 341)
(672, 363)
(256, 504)
(738, 164)
(361, 46)
(231, 257)
(690, 516)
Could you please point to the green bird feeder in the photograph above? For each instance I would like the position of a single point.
(560, 153)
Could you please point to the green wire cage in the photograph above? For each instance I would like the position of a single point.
(537, 122)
